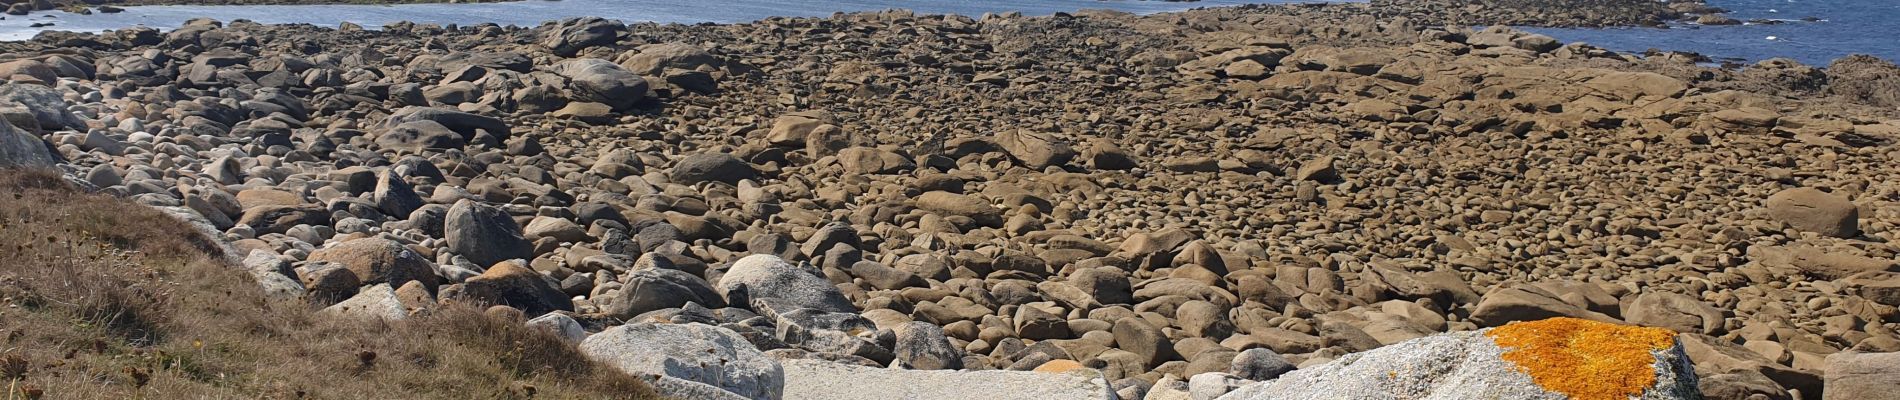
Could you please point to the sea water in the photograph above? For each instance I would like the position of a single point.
(1839, 27)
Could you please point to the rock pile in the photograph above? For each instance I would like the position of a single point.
(1239, 190)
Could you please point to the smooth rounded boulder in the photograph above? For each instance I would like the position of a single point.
(1812, 210)
(600, 81)
(484, 234)
(379, 260)
(766, 278)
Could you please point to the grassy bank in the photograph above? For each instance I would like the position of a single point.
(101, 298)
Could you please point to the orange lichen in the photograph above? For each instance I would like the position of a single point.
(1059, 366)
(1586, 360)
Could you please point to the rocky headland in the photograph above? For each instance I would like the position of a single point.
(1185, 204)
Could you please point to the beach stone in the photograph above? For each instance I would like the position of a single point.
(512, 283)
(379, 260)
(561, 325)
(21, 149)
(1145, 340)
(1259, 364)
(712, 167)
(484, 234)
(762, 277)
(373, 302)
(649, 289)
(692, 352)
(394, 196)
(1815, 211)
(922, 345)
(601, 81)
(570, 36)
(48, 107)
(653, 59)
(1674, 311)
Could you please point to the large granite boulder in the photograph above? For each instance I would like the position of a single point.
(697, 353)
(1552, 359)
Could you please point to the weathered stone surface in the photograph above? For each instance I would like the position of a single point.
(601, 81)
(692, 352)
(1815, 211)
(1852, 375)
(512, 284)
(21, 149)
(712, 167)
(1469, 365)
(650, 289)
(818, 379)
(378, 260)
(762, 277)
(374, 302)
(484, 234)
(571, 36)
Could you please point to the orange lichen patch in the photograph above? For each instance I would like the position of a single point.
(1059, 366)
(1586, 360)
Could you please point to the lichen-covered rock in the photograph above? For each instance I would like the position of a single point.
(1554, 359)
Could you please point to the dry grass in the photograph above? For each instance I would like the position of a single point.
(100, 298)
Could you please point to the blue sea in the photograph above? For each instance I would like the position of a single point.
(1837, 27)
(1840, 28)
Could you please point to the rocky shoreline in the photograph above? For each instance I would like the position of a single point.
(1215, 196)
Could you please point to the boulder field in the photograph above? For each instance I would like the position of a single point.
(1254, 202)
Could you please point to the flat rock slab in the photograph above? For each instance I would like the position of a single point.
(824, 380)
